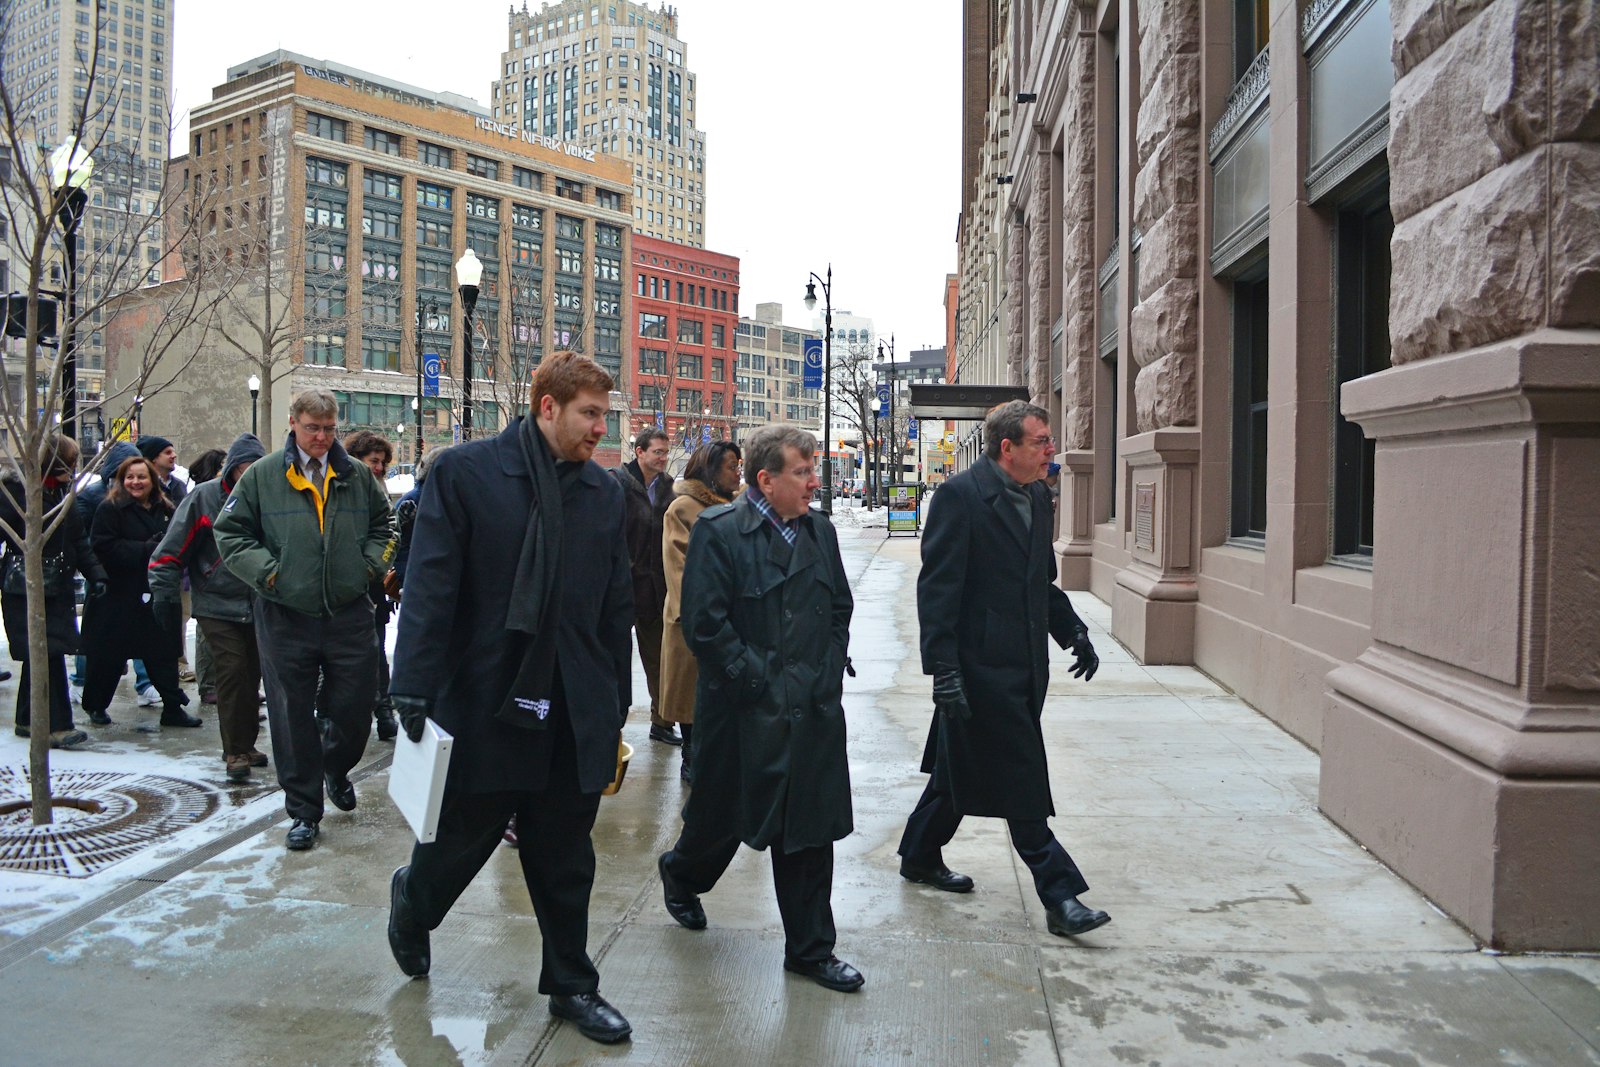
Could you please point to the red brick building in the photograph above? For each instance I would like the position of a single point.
(686, 303)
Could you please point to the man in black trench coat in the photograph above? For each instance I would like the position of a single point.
(514, 638)
(986, 598)
(766, 612)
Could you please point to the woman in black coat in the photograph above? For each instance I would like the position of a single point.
(120, 626)
(66, 552)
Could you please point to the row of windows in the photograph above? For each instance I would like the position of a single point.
(697, 296)
(330, 128)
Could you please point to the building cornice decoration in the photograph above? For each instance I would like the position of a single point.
(1314, 14)
(1250, 91)
(1108, 269)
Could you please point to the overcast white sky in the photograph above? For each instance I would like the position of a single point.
(832, 127)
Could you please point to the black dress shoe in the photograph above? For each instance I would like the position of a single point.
(595, 1019)
(302, 835)
(176, 716)
(832, 972)
(408, 942)
(667, 735)
(100, 718)
(940, 877)
(1072, 917)
(341, 791)
(682, 905)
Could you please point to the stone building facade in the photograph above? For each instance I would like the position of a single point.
(1312, 288)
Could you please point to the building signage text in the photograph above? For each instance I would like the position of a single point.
(505, 129)
(327, 76)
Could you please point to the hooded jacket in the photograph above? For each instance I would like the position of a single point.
(312, 549)
(190, 545)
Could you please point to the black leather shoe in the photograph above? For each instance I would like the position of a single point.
(1072, 917)
(594, 1018)
(832, 972)
(302, 835)
(100, 718)
(667, 735)
(387, 727)
(176, 716)
(940, 877)
(341, 791)
(682, 905)
(408, 943)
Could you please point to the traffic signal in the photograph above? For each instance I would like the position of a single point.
(17, 316)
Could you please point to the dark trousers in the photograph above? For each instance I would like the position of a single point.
(60, 702)
(381, 708)
(296, 652)
(234, 673)
(104, 669)
(934, 821)
(803, 880)
(556, 853)
(649, 633)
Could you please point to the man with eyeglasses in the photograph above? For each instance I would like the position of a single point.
(309, 529)
(986, 599)
(647, 493)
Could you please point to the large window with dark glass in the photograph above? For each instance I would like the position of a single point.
(435, 155)
(1252, 31)
(1362, 339)
(1249, 512)
(325, 126)
(383, 141)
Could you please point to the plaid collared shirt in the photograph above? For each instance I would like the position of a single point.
(790, 529)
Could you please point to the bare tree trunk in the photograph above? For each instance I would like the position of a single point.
(38, 654)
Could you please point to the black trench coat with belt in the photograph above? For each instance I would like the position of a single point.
(770, 627)
(986, 598)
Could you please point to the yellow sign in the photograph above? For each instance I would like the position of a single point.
(122, 429)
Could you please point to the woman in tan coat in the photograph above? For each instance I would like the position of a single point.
(711, 477)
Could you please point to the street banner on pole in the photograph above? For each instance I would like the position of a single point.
(811, 377)
(911, 430)
(430, 373)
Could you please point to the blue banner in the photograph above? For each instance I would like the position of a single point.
(911, 430)
(883, 400)
(811, 377)
(431, 367)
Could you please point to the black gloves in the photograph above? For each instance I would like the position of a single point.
(169, 619)
(1085, 662)
(97, 588)
(949, 693)
(413, 714)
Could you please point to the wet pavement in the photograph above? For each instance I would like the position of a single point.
(1246, 928)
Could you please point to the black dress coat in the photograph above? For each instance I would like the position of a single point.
(70, 541)
(770, 627)
(986, 598)
(643, 525)
(453, 648)
(121, 624)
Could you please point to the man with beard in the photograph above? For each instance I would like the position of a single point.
(514, 639)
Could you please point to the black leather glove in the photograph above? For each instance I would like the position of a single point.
(1084, 662)
(97, 588)
(169, 619)
(413, 714)
(950, 693)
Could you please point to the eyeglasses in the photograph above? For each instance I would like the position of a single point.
(1043, 441)
(316, 430)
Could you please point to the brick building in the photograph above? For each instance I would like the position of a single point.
(686, 304)
(351, 196)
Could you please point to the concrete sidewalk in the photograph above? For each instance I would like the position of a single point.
(1246, 928)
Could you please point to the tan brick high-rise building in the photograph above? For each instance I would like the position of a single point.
(344, 199)
(1310, 288)
(613, 77)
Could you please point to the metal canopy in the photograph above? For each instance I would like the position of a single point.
(930, 401)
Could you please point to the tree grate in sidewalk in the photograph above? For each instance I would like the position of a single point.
(137, 811)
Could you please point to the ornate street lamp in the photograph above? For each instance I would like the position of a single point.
(254, 385)
(469, 271)
(71, 166)
(827, 378)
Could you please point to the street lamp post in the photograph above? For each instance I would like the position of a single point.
(400, 441)
(416, 401)
(894, 454)
(254, 384)
(827, 378)
(468, 273)
(70, 169)
(138, 415)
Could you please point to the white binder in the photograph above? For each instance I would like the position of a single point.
(416, 778)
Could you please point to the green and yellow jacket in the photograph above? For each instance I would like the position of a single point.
(312, 549)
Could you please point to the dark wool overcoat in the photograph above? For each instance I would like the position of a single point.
(986, 598)
(70, 540)
(453, 647)
(121, 624)
(770, 627)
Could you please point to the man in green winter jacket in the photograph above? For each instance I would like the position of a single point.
(308, 529)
